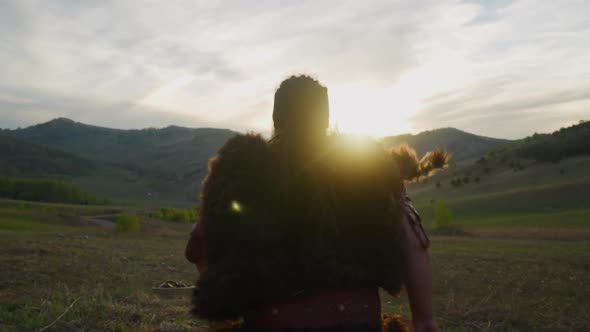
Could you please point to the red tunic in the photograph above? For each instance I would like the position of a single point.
(327, 309)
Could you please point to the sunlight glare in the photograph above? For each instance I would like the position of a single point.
(362, 110)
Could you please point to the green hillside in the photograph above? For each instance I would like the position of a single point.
(169, 152)
(515, 185)
(24, 158)
(149, 164)
(169, 164)
(461, 144)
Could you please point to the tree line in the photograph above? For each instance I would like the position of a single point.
(45, 190)
(564, 143)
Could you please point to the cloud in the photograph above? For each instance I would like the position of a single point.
(130, 64)
(530, 59)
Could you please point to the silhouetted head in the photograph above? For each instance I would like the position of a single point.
(301, 107)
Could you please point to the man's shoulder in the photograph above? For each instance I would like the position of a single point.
(244, 143)
(242, 150)
(355, 154)
(243, 171)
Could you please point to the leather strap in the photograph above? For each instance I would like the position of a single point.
(415, 220)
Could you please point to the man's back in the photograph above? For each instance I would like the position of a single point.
(331, 224)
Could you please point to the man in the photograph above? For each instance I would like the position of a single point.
(300, 232)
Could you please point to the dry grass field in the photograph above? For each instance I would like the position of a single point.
(102, 280)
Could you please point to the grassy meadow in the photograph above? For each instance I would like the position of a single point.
(59, 271)
(546, 199)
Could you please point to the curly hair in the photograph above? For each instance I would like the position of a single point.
(301, 105)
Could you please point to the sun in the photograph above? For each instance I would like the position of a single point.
(364, 110)
(368, 109)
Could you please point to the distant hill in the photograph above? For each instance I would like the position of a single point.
(167, 163)
(171, 150)
(461, 144)
(21, 158)
(546, 150)
(541, 178)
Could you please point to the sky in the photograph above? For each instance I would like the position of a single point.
(497, 68)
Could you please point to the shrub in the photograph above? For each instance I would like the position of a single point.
(177, 215)
(442, 215)
(127, 223)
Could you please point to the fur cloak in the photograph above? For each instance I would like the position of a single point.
(274, 231)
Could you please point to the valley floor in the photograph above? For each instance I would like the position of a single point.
(102, 280)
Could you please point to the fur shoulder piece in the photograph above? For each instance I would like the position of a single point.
(272, 230)
(239, 154)
(239, 215)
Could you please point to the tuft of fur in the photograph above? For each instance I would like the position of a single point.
(437, 159)
(394, 323)
(412, 169)
(407, 161)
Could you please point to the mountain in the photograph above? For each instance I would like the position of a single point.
(169, 164)
(166, 164)
(541, 179)
(21, 158)
(525, 156)
(162, 164)
(461, 144)
(171, 150)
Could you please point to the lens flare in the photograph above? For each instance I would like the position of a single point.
(236, 206)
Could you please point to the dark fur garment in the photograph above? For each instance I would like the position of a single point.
(274, 228)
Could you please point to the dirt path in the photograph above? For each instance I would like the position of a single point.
(560, 234)
(102, 221)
